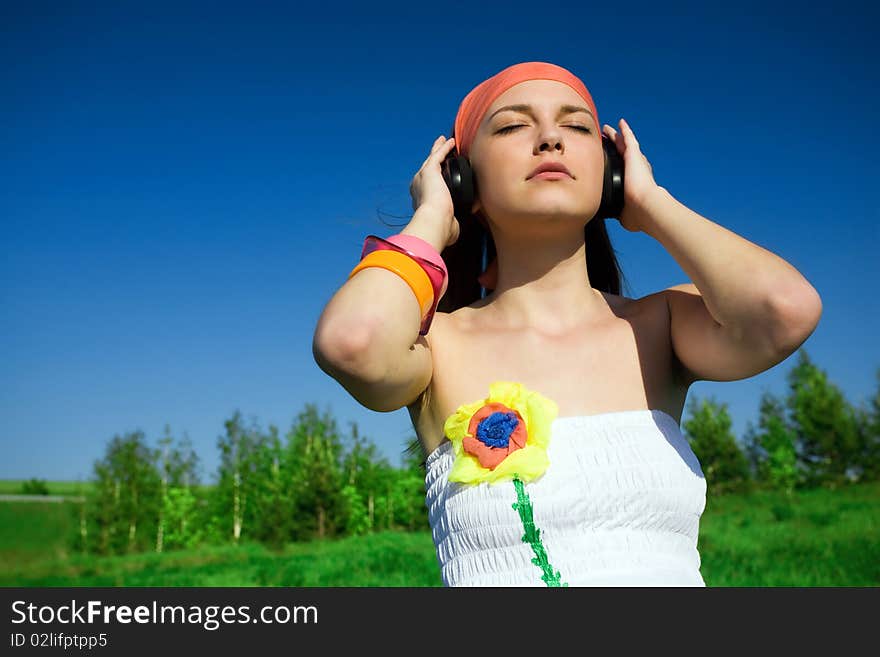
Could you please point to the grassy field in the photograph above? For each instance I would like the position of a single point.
(66, 488)
(818, 538)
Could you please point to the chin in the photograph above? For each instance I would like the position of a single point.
(531, 207)
(544, 215)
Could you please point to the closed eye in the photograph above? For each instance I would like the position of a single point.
(513, 127)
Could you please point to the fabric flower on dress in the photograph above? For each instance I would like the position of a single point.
(501, 437)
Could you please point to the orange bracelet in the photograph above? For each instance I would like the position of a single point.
(405, 267)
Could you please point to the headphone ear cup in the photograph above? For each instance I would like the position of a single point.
(612, 186)
(459, 179)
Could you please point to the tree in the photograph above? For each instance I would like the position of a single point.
(34, 486)
(365, 472)
(772, 449)
(314, 451)
(273, 497)
(868, 422)
(410, 509)
(182, 531)
(357, 516)
(826, 426)
(391, 502)
(233, 501)
(178, 470)
(127, 495)
(709, 433)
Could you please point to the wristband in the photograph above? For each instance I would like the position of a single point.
(424, 255)
(405, 267)
(420, 248)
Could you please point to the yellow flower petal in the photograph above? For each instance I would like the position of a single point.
(508, 392)
(466, 469)
(456, 425)
(539, 416)
(527, 463)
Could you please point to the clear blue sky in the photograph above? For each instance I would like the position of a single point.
(183, 188)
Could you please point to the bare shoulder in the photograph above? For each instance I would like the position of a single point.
(651, 306)
(655, 308)
(654, 316)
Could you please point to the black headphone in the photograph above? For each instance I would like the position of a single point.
(462, 184)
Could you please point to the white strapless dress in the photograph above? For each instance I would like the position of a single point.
(619, 505)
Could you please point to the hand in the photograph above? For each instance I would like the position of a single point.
(431, 197)
(638, 182)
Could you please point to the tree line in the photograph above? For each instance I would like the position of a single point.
(315, 483)
(809, 437)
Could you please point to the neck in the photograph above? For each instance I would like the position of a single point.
(543, 283)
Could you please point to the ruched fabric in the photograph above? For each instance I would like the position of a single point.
(619, 505)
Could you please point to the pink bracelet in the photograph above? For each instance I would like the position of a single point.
(422, 249)
(425, 255)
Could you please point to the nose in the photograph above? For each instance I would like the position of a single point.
(551, 138)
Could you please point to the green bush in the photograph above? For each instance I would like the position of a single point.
(34, 487)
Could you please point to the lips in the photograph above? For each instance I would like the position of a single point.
(550, 166)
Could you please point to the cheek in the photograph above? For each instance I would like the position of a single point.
(496, 189)
(593, 175)
(493, 182)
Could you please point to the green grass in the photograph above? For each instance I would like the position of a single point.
(392, 559)
(67, 488)
(31, 532)
(818, 538)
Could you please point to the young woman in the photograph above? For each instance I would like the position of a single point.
(549, 408)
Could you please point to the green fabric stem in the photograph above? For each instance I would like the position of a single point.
(523, 506)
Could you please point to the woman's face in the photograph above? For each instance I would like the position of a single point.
(503, 159)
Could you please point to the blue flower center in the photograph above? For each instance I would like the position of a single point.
(495, 429)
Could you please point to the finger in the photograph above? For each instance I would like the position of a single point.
(443, 149)
(440, 144)
(615, 136)
(618, 140)
(630, 135)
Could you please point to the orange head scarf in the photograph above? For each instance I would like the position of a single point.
(473, 108)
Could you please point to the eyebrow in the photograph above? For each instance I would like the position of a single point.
(527, 109)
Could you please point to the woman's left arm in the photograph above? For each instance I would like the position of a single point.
(746, 310)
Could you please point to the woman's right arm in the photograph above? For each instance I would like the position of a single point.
(367, 337)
